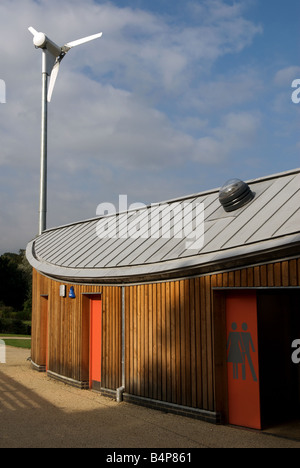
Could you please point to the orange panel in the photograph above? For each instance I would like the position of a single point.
(44, 330)
(95, 341)
(242, 360)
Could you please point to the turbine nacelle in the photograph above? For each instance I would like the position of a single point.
(41, 41)
(55, 54)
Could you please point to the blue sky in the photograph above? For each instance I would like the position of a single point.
(177, 97)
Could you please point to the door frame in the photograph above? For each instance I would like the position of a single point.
(44, 327)
(220, 344)
(86, 335)
(220, 348)
(243, 359)
(94, 384)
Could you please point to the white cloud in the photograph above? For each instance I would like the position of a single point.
(223, 92)
(236, 131)
(118, 104)
(285, 76)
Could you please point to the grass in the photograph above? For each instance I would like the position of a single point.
(17, 343)
(26, 344)
(13, 335)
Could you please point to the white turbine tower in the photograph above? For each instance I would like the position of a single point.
(52, 57)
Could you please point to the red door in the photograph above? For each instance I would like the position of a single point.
(242, 360)
(95, 343)
(44, 333)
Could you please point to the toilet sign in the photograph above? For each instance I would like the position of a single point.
(242, 360)
(240, 348)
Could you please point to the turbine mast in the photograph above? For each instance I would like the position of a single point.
(44, 149)
(52, 57)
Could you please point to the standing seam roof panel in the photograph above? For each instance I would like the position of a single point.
(270, 220)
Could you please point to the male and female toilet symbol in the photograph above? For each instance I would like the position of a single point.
(239, 346)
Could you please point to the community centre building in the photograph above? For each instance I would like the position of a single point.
(190, 306)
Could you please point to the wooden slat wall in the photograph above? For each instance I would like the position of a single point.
(169, 342)
(111, 337)
(68, 330)
(169, 332)
(280, 274)
(38, 332)
(169, 348)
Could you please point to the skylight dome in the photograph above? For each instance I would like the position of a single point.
(234, 194)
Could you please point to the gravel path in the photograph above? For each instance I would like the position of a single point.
(38, 412)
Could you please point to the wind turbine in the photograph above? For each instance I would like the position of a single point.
(52, 57)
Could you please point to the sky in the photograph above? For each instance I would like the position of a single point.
(177, 97)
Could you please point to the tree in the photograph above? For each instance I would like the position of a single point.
(15, 280)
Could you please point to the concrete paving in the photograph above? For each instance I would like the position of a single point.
(38, 412)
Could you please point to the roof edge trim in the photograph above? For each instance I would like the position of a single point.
(173, 268)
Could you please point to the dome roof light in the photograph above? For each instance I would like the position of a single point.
(235, 194)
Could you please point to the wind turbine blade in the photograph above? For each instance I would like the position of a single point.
(82, 41)
(32, 30)
(53, 77)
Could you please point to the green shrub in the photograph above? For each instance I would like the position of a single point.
(14, 326)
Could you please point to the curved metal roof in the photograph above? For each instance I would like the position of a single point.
(175, 238)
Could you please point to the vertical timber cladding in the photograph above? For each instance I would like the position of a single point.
(111, 337)
(39, 334)
(170, 340)
(68, 329)
(174, 343)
